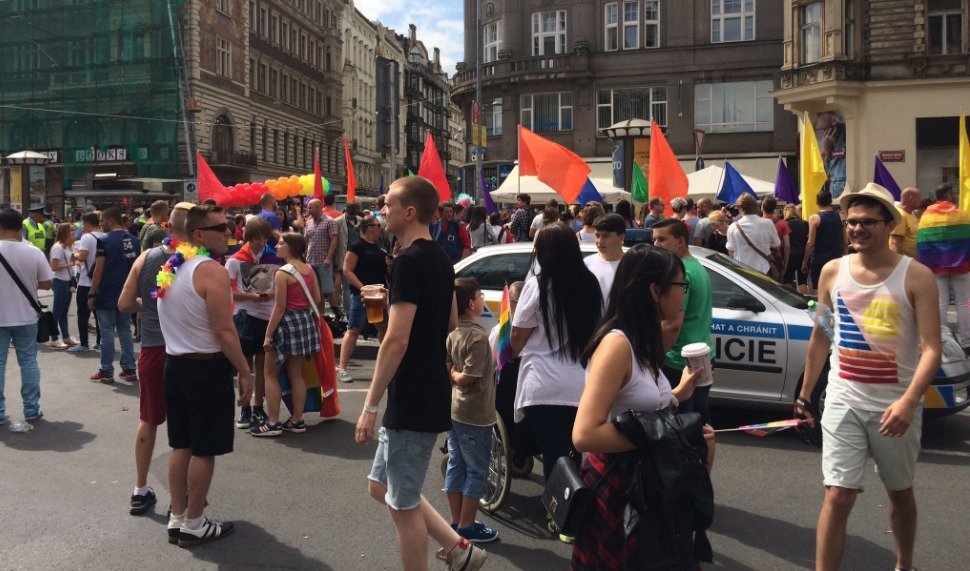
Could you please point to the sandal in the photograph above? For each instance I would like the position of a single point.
(296, 427)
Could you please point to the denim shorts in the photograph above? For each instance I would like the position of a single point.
(469, 454)
(850, 436)
(401, 463)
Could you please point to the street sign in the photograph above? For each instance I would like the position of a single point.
(473, 153)
(190, 191)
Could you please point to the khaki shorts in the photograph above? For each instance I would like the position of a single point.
(850, 436)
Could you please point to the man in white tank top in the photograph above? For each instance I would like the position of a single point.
(202, 347)
(886, 352)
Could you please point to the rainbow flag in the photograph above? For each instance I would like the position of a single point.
(503, 351)
(766, 428)
(943, 239)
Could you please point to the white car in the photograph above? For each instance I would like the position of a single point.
(760, 330)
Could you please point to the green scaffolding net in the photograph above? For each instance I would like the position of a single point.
(95, 85)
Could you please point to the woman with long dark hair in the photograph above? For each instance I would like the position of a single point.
(479, 230)
(557, 313)
(624, 209)
(623, 373)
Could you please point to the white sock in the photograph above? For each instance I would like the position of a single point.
(194, 523)
(142, 490)
(176, 520)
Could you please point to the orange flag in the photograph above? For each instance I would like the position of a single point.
(432, 169)
(209, 185)
(559, 168)
(317, 177)
(351, 179)
(667, 178)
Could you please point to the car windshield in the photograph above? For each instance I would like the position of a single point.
(770, 286)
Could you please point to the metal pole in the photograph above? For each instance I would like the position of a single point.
(25, 188)
(478, 98)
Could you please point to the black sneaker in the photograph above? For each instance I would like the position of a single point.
(141, 503)
(296, 427)
(245, 418)
(267, 429)
(211, 530)
(259, 416)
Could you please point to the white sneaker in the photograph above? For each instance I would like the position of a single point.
(343, 376)
(470, 559)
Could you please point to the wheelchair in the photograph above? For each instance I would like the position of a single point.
(513, 445)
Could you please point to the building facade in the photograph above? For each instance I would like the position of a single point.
(885, 79)
(570, 69)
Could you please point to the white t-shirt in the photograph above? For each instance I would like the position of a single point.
(762, 234)
(544, 377)
(604, 272)
(88, 243)
(60, 254)
(536, 222)
(260, 277)
(30, 265)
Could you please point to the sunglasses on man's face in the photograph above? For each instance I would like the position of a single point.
(220, 228)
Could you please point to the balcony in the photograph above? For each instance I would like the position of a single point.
(221, 158)
(530, 68)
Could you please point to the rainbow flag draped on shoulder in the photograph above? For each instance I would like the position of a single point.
(503, 351)
(943, 239)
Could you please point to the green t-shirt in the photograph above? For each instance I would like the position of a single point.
(151, 236)
(697, 313)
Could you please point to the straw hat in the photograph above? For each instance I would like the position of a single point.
(875, 192)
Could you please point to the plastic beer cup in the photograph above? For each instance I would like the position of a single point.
(375, 299)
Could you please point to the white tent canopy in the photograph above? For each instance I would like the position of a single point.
(706, 183)
(539, 192)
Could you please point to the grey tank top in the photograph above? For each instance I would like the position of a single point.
(151, 331)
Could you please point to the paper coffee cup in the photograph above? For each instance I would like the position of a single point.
(698, 357)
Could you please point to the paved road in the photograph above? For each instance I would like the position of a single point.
(300, 501)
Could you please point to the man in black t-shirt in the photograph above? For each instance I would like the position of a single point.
(411, 367)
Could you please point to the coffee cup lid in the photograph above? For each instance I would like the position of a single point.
(695, 349)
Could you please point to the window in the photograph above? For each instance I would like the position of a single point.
(284, 80)
(286, 148)
(631, 25)
(548, 33)
(493, 272)
(651, 26)
(493, 117)
(261, 79)
(224, 6)
(612, 34)
(811, 32)
(274, 28)
(274, 82)
(848, 34)
(252, 15)
(613, 105)
(224, 59)
(262, 22)
(276, 145)
(264, 130)
(732, 20)
(944, 30)
(734, 107)
(285, 36)
(491, 36)
(545, 112)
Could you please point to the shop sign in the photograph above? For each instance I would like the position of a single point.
(892, 156)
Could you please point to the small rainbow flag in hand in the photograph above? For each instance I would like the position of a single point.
(766, 428)
(503, 351)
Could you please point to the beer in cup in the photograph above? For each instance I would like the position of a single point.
(698, 357)
(375, 299)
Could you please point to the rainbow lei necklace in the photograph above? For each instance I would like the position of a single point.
(183, 253)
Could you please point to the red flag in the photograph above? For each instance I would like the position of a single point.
(351, 179)
(561, 169)
(209, 185)
(666, 178)
(432, 169)
(317, 177)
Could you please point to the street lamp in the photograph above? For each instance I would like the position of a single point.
(629, 137)
(25, 160)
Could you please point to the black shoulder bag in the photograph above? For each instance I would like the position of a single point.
(46, 324)
(568, 499)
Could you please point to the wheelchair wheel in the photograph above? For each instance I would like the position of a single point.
(499, 479)
(521, 466)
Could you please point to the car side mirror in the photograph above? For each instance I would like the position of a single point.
(745, 303)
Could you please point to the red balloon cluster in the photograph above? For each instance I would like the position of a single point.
(243, 194)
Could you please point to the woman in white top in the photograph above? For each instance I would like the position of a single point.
(623, 373)
(592, 211)
(60, 259)
(479, 230)
(557, 313)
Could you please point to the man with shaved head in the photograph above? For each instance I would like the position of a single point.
(703, 229)
(903, 238)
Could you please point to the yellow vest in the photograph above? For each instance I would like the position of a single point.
(36, 235)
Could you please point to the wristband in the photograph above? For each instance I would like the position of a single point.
(802, 403)
(370, 409)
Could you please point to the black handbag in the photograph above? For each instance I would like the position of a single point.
(46, 324)
(567, 498)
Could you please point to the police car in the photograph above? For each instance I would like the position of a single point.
(760, 331)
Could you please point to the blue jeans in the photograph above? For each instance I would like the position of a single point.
(24, 339)
(401, 463)
(112, 320)
(469, 454)
(62, 303)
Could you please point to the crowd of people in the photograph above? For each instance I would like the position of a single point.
(225, 303)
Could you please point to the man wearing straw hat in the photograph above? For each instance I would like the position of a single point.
(884, 354)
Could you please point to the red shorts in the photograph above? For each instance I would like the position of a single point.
(151, 384)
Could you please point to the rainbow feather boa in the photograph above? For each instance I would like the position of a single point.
(183, 253)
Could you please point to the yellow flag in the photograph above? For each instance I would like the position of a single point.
(964, 173)
(811, 170)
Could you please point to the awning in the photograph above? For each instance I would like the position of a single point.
(601, 175)
(706, 183)
(136, 193)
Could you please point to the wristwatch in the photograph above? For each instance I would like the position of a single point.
(802, 403)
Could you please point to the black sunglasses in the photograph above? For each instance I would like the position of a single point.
(220, 228)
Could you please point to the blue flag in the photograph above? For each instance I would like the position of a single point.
(588, 193)
(734, 186)
(886, 180)
(784, 189)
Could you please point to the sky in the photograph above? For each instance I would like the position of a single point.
(440, 24)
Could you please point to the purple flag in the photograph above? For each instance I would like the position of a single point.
(490, 207)
(783, 186)
(886, 180)
(733, 186)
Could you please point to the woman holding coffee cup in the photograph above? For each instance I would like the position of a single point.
(365, 266)
(623, 373)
